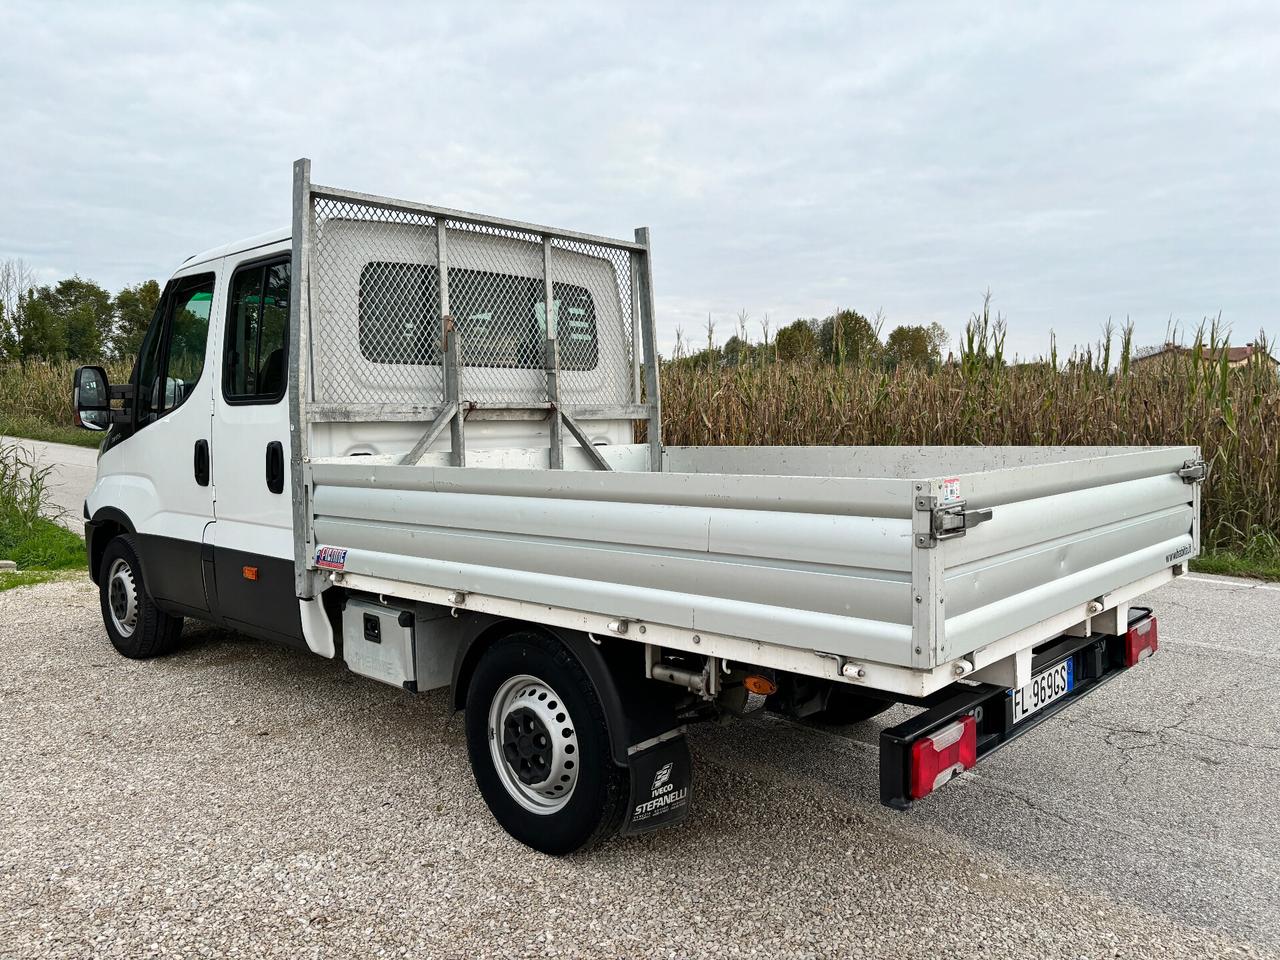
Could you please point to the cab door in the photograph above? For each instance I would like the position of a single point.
(253, 547)
(158, 468)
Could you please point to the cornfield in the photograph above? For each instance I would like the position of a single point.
(35, 398)
(1190, 396)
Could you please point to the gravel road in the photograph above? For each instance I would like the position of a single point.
(238, 799)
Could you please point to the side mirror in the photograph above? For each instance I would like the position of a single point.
(91, 398)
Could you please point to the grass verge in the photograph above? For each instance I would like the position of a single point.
(1258, 557)
(28, 536)
(27, 578)
(33, 428)
(42, 545)
(1235, 565)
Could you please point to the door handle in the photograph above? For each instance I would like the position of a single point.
(201, 464)
(275, 467)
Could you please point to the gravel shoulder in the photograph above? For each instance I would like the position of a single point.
(241, 798)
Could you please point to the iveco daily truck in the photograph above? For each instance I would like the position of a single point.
(406, 437)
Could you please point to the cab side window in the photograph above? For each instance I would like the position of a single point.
(255, 356)
(172, 356)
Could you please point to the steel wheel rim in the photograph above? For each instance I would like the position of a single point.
(122, 598)
(539, 776)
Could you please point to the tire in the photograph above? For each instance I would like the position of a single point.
(539, 746)
(138, 629)
(845, 706)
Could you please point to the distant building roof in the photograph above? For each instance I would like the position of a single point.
(1235, 355)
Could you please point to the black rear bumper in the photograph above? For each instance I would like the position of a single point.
(1096, 660)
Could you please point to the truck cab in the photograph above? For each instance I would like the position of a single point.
(194, 470)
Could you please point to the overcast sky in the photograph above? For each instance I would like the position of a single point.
(1080, 160)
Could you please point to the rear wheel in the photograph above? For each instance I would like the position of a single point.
(539, 746)
(138, 629)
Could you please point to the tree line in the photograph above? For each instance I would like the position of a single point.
(74, 319)
(78, 320)
(844, 337)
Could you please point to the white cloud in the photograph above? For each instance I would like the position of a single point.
(1082, 162)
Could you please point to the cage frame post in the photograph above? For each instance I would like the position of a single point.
(551, 358)
(300, 383)
(449, 343)
(649, 335)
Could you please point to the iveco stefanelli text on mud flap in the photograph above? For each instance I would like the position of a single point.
(404, 437)
(661, 782)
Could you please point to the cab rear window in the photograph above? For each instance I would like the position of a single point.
(500, 318)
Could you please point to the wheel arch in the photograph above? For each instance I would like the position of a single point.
(635, 708)
(107, 524)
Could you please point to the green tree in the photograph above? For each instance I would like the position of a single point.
(16, 279)
(848, 337)
(915, 345)
(87, 316)
(39, 328)
(8, 336)
(797, 341)
(737, 351)
(69, 321)
(134, 308)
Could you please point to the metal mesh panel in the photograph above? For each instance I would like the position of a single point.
(496, 299)
(594, 322)
(376, 299)
(375, 305)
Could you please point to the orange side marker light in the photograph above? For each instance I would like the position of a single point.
(761, 685)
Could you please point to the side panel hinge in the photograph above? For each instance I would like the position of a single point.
(949, 521)
(1194, 471)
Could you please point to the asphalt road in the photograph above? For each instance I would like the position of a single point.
(237, 796)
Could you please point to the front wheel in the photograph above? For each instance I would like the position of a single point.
(539, 746)
(137, 628)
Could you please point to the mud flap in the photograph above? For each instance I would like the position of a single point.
(661, 784)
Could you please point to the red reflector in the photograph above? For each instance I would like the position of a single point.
(1140, 642)
(937, 758)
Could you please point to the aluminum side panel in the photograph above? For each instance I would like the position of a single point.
(1042, 555)
(1007, 615)
(856, 496)
(837, 583)
(852, 636)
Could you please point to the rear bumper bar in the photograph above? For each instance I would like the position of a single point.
(1096, 660)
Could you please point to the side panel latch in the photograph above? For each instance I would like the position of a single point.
(949, 521)
(1193, 471)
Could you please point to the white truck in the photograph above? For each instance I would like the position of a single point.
(371, 438)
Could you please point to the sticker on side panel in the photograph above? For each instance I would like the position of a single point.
(331, 558)
(951, 490)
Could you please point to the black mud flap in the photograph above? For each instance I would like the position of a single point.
(661, 785)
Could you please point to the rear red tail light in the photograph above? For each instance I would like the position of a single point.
(937, 758)
(1140, 642)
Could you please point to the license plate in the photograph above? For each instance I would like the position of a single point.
(1044, 688)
